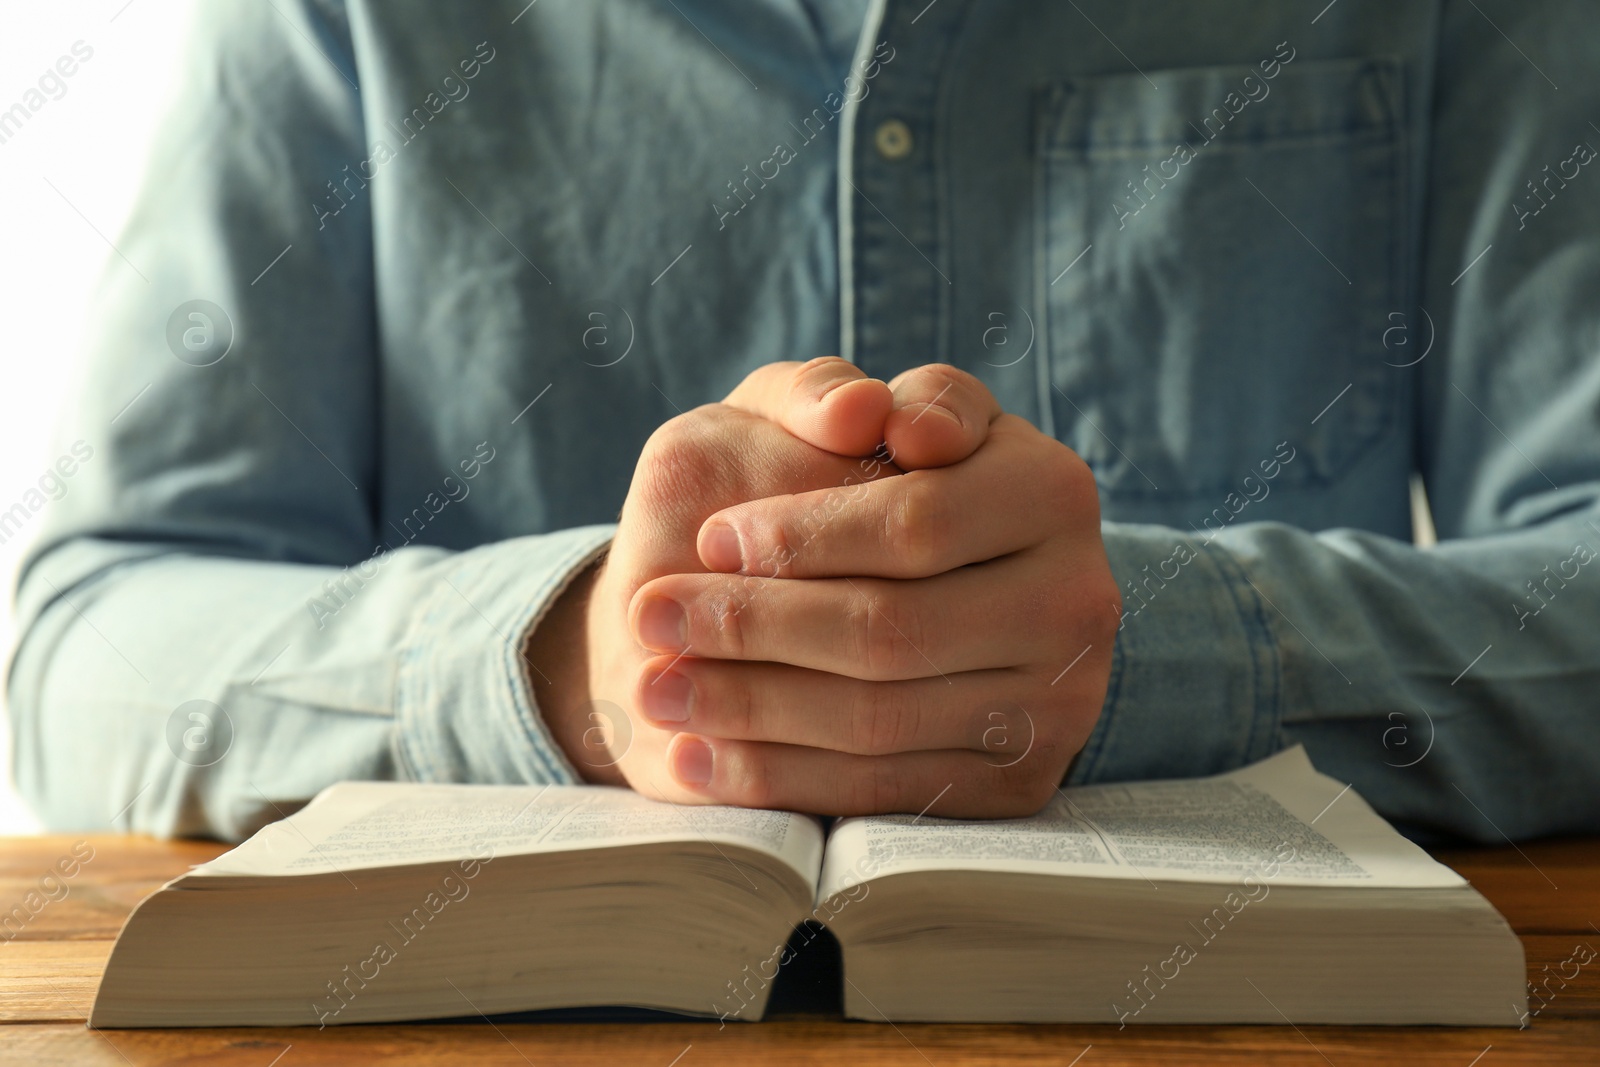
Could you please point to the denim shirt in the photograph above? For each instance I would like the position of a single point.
(409, 284)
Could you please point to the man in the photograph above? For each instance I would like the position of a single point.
(426, 293)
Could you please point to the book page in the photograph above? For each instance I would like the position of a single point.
(357, 825)
(1277, 820)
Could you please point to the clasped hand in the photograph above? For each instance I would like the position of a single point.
(835, 595)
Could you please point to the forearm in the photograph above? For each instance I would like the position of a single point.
(406, 665)
(1360, 646)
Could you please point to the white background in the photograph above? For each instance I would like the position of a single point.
(90, 144)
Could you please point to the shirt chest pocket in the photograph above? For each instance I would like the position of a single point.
(1220, 251)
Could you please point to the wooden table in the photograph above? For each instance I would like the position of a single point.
(50, 964)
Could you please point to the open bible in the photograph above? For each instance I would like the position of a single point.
(1270, 894)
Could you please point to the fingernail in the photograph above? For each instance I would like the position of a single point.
(662, 624)
(691, 761)
(722, 551)
(669, 697)
(939, 409)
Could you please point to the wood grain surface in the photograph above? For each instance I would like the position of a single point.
(49, 965)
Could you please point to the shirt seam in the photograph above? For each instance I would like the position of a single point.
(1266, 666)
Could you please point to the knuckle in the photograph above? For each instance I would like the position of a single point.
(859, 630)
(1086, 605)
(888, 721)
(885, 647)
(1104, 591)
(753, 786)
(919, 525)
(939, 375)
(1032, 801)
(877, 788)
(1054, 607)
(748, 779)
(963, 393)
(821, 371)
(679, 458)
(732, 618)
(1024, 792)
(887, 787)
(781, 542)
(1075, 478)
(758, 377)
(1059, 473)
(676, 439)
(763, 385)
(725, 699)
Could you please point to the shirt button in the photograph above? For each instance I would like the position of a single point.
(893, 139)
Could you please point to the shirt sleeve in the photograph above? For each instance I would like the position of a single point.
(1454, 686)
(212, 627)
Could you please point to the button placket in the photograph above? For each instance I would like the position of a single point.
(900, 288)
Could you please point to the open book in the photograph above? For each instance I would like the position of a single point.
(1265, 895)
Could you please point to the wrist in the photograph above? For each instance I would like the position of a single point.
(557, 656)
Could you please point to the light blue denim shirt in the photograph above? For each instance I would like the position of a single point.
(409, 284)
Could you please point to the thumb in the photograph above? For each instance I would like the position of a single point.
(828, 403)
(941, 415)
